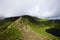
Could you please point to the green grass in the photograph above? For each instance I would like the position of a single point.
(41, 31)
(4, 24)
(10, 34)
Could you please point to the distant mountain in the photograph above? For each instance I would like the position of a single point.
(54, 18)
(1, 17)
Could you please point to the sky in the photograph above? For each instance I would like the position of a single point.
(38, 8)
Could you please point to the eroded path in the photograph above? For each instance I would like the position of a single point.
(28, 34)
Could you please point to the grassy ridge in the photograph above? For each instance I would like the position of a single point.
(36, 24)
(40, 26)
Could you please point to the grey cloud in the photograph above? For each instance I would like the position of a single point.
(39, 8)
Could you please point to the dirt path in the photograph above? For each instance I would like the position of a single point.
(28, 34)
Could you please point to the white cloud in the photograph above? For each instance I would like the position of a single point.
(39, 8)
(46, 8)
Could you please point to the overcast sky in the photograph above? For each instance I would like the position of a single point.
(38, 8)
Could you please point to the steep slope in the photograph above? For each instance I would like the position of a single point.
(10, 32)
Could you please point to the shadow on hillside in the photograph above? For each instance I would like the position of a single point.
(53, 31)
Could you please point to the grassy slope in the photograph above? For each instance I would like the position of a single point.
(41, 31)
(41, 26)
(11, 33)
(6, 22)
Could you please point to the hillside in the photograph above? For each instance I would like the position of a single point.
(35, 28)
(7, 30)
(48, 28)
